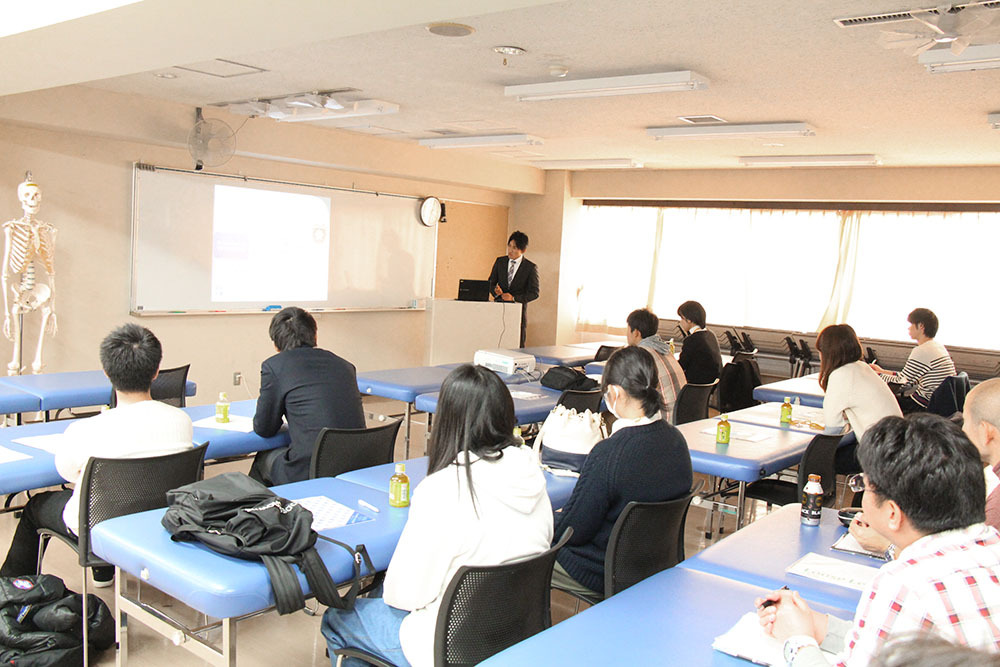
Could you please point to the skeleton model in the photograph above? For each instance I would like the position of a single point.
(28, 241)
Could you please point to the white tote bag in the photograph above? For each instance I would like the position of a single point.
(566, 438)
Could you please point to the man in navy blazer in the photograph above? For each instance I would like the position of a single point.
(515, 278)
(311, 387)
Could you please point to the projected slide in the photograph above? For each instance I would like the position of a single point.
(269, 246)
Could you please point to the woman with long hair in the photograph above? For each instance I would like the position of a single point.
(645, 459)
(483, 503)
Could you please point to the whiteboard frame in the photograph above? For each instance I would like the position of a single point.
(417, 305)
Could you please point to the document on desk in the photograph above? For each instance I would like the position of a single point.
(525, 395)
(237, 423)
(9, 456)
(748, 641)
(847, 543)
(833, 571)
(740, 433)
(51, 442)
(328, 513)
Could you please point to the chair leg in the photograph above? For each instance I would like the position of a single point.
(86, 624)
(43, 544)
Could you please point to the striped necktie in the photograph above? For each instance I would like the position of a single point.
(510, 272)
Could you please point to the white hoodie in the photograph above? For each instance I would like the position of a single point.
(512, 518)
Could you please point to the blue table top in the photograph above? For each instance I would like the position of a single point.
(222, 586)
(759, 553)
(14, 401)
(40, 470)
(526, 410)
(377, 477)
(743, 460)
(560, 355)
(69, 390)
(405, 384)
(806, 388)
(670, 618)
(595, 368)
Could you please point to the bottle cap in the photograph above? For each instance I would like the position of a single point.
(223, 396)
(815, 478)
(724, 418)
(517, 430)
(400, 467)
(788, 399)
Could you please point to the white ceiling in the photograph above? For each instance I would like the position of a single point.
(767, 61)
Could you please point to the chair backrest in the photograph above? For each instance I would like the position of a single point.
(116, 487)
(949, 397)
(734, 343)
(604, 352)
(818, 459)
(647, 538)
(581, 400)
(744, 355)
(486, 609)
(692, 402)
(169, 386)
(340, 450)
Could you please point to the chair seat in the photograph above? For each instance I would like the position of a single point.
(774, 491)
(363, 655)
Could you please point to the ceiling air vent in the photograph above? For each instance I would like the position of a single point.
(894, 17)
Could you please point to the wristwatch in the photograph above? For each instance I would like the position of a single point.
(890, 553)
(794, 644)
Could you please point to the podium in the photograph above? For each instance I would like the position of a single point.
(456, 329)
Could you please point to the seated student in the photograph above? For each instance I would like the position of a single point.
(927, 366)
(138, 426)
(924, 489)
(854, 393)
(645, 459)
(700, 356)
(310, 387)
(642, 327)
(483, 502)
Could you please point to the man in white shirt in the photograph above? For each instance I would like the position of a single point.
(137, 427)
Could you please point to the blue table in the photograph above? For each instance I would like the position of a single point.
(560, 355)
(14, 401)
(39, 471)
(526, 410)
(805, 419)
(560, 488)
(670, 618)
(759, 553)
(805, 388)
(595, 368)
(69, 390)
(224, 587)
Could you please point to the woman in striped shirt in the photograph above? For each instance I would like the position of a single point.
(926, 368)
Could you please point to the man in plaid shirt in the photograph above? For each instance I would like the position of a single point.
(925, 492)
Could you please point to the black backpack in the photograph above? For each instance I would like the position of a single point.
(736, 385)
(238, 516)
(564, 377)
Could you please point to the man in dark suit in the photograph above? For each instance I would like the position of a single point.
(515, 278)
(312, 388)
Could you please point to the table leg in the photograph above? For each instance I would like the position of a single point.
(229, 642)
(427, 435)
(741, 502)
(409, 413)
(121, 621)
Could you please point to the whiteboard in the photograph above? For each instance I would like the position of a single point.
(371, 247)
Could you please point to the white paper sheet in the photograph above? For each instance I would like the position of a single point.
(849, 544)
(738, 433)
(236, 423)
(9, 456)
(833, 571)
(748, 641)
(524, 395)
(328, 513)
(51, 442)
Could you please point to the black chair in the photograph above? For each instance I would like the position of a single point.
(949, 397)
(733, 341)
(870, 356)
(818, 459)
(794, 357)
(115, 487)
(806, 367)
(340, 450)
(581, 400)
(647, 538)
(604, 352)
(487, 608)
(748, 343)
(692, 402)
(168, 387)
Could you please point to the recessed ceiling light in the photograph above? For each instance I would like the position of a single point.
(862, 160)
(509, 50)
(165, 75)
(701, 120)
(450, 29)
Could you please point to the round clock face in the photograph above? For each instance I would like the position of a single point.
(430, 211)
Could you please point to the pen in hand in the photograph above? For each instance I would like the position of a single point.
(770, 603)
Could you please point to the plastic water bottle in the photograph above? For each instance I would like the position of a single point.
(517, 436)
(673, 350)
(222, 408)
(786, 411)
(399, 487)
(722, 431)
(812, 501)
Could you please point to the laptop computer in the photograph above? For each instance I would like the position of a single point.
(473, 290)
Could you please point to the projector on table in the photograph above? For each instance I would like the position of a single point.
(504, 361)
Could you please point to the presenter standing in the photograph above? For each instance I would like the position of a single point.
(515, 278)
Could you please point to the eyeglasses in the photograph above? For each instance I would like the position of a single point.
(856, 482)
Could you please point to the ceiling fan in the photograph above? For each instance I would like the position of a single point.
(954, 25)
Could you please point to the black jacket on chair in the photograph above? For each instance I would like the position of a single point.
(313, 389)
(524, 287)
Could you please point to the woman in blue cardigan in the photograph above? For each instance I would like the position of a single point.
(645, 459)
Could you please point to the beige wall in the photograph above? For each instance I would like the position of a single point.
(473, 237)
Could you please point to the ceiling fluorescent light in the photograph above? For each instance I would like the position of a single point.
(994, 120)
(635, 84)
(482, 141)
(312, 101)
(349, 110)
(732, 130)
(859, 160)
(974, 57)
(603, 163)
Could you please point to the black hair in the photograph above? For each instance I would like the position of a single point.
(644, 321)
(839, 346)
(925, 317)
(475, 414)
(130, 356)
(520, 240)
(927, 466)
(693, 311)
(633, 369)
(292, 327)
(926, 649)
